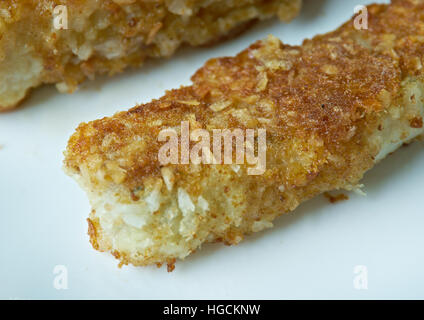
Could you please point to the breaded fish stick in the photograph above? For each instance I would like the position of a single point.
(332, 108)
(66, 41)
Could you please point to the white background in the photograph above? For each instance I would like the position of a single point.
(310, 253)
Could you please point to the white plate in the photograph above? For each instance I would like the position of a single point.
(310, 253)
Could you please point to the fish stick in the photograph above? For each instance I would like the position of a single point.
(64, 42)
(331, 109)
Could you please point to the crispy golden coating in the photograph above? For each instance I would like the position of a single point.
(109, 35)
(332, 108)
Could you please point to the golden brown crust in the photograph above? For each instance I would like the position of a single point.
(325, 106)
(325, 88)
(104, 37)
(337, 198)
(92, 233)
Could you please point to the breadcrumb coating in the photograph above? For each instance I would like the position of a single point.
(332, 107)
(104, 37)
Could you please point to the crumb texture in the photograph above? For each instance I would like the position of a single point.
(332, 107)
(104, 37)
